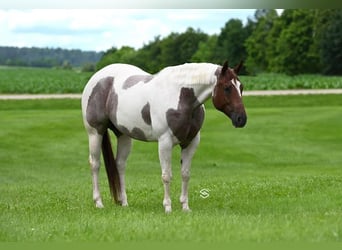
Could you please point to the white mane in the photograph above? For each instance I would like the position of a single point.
(191, 73)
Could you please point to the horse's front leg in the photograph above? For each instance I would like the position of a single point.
(187, 154)
(165, 153)
(124, 148)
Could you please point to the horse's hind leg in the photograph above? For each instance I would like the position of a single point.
(95, 141)
(124, 148)
(187, 154)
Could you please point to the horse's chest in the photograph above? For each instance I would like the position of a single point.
(185, 124)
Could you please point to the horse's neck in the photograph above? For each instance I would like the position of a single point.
(198, 76)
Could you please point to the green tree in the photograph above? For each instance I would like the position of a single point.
(123, 55)
(296, 48)
(329, 40)
(206, 51)
(272, 54)
(149, 56)
(179, 48)
(230, 43)
(256, 44)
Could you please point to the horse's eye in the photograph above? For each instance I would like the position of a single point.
(228, 89)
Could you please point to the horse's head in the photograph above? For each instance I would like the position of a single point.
(227, 95)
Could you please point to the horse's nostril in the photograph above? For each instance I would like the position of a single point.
(240, 121)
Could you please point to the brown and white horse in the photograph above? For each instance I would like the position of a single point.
(166, 107)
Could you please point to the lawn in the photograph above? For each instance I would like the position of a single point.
(278, 179)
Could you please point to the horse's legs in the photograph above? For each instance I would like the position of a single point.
(165, 152)
(187, 154)
(124, 148)
(95, 141)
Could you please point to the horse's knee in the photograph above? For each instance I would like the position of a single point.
(166, 178)
(185, 175)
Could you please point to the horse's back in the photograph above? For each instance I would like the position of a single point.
(118, 71)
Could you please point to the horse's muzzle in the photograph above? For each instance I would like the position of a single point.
(239, 120)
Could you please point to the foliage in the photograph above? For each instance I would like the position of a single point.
(278, 179)
(176, 48)
(256, 44)
(230, 43)
(206, 51)
(298, 41)
(295, 47)
(88, 67)
(114, 55)
(329, 29)
(46, 57)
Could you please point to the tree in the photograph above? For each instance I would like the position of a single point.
(206, 51)
(230, 43)
(295, 47)
(179, 48)
(329, 40)
(149, 56)
(123, 55)
(256, 44)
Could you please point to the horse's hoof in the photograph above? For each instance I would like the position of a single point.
(187, 210)
(168, 209)
(99, 205)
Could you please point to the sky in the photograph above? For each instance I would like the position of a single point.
(101, 29)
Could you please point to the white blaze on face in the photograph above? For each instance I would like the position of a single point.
(237, 85)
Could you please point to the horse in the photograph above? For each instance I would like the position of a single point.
(166, 107)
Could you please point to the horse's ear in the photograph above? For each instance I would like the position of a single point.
(224, 67)
(238, 67)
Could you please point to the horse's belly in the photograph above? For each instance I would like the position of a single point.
(134, 123)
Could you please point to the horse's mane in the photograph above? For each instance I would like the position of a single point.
(190, 73)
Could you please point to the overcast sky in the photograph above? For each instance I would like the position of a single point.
(100, 30)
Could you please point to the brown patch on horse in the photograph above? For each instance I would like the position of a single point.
(136, 133)
(96, 114)
(146, 114)
(133, 80)
(186, 121)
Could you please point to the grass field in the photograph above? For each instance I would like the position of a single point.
(277, 179)
(39, 80)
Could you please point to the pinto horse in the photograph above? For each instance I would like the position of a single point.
(166, 107)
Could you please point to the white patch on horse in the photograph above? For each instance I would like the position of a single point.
(237, 85)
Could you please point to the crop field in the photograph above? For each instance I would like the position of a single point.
(40, 80)
(279, 179)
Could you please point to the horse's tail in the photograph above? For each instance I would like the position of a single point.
(111, 168)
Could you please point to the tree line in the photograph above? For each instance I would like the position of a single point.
(49, 57)
(296, 42)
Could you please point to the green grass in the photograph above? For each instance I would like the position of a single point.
(41, 80)
(277, 179)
